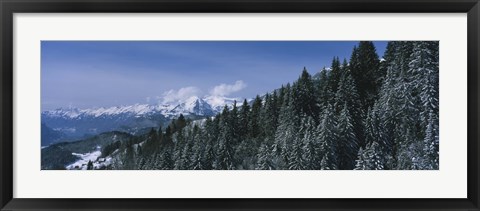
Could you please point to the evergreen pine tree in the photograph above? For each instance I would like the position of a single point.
(233, 118)
(264, 161)
(321, 88)
(296, 160)
(425, 72)
(364, 67)
(167, 161)
(90, 165)
(431, 145)
(311, 145)
(328, 138)
(225, 153)
(370, 158)
(209, 158)
(304, 100)
(129, 157)
(269, 118)
(347, 96)
(243, 120)
(254, 118)
(347, 143)
(335, 74)
(286, 133)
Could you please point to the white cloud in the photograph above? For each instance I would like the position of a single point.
(227, 89)
(182, 94)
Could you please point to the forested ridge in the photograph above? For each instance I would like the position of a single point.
(364, 113)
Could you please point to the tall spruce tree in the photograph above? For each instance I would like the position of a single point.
(209, 159)
(322, 94)
(364, 66)
(311, 145)
(296, 159)
(431, 145)
(264, 161)
(286, 132)
(328, 138)
(304, 99)
(167, 161)
(254, 118)
(243, 120)
(225, 152)
(347, 140)
(269, 118)
(347, 94)
(335, 74)
(425, 73)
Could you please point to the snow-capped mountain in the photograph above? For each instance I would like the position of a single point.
(218, 103)
(77, 123)
(193, 105)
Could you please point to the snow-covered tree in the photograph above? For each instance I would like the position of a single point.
(364, 64)
(347, 140)
(370, 158)
(286, 132)
(303, 94)
(431, 144)
(424, 69)
(328, 138)
(264, 161)
(296, 160)
(311, 144)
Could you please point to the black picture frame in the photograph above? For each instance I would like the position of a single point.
(9, 7)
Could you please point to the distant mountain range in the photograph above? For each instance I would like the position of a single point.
(66, 124)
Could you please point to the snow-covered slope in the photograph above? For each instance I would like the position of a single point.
(193, 105)
(218, 103)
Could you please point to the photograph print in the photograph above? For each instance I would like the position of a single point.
(239, 105)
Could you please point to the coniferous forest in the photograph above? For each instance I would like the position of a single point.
(362, 113)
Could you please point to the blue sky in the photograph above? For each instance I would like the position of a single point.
(86, 74)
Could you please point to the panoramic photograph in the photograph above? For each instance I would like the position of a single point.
(239, 105)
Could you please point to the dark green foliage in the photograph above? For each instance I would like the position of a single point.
(225, 160)
(311, 144)
(347, 140)
(347, 96)
(243, 119)
(370, 158)
(254, 118)
(323, 91)
(303, 94)
(269, 117)
(335, 74)
(364, 67)
(265, 159)
(128, 161)
(430, 159)
(110, 148)
(57, 157)
(328, 138)
(90, 165)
